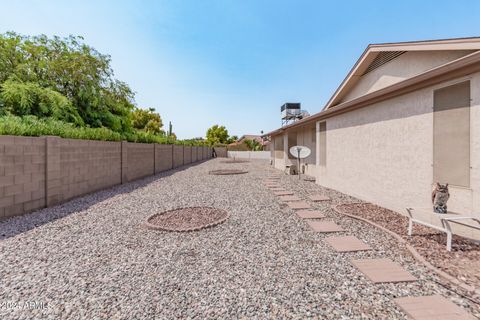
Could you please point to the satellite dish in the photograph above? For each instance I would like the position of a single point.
(300, 152)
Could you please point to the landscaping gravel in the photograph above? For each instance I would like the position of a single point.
(227, 172)
(187, 219)
(463, 262)
(93, 258)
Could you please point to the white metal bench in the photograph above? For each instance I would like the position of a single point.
(450, 223)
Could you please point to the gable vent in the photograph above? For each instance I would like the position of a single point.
(382, 58)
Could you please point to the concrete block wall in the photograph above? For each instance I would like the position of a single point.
(264, 155)
(22, 175)
(163, 157)
(207, 153)
(194, 154)
(177, 156)
(221, 152)
(187, 154)
(38, 172)
(87, 166)
(140, 160)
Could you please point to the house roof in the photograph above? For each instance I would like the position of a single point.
(456, 68)
(376, 54)
(250, 137)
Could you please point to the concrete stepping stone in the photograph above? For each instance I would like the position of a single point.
(273, 185)
(289, 198)
(310, 214)
(298, 205)
(432, 307)
(383, 270)
(347, 244)
(324, 226)
(277, 188)
(271, 182)
(319, 197)
(283, 192)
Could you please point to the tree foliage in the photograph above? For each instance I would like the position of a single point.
(253, 145)
(62, 86)
(21, 99)
(217, 135)
(62, 78)
(232, 139)
(147, 120)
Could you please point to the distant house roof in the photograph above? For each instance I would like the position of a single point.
(250, 137)
(376, 54)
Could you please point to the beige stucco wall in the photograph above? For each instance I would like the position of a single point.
(282, 143)
(383, 153)
(475, 143)
(304, 138)
(405, 66)
(278, 153)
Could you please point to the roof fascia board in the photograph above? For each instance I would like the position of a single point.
(352, 73)
(428, 47)
(362, 62)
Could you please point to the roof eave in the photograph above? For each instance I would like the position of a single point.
(472, 43)
(456, 68)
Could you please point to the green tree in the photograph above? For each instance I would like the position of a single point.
(232, 139)
(147, 120)
(29, 98)
(253, 145)
(217, 135)
(38, 67)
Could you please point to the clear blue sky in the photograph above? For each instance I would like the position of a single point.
(203, 62)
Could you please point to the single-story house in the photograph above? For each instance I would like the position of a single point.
(406, 116)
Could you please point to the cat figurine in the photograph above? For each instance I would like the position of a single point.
(440, 196)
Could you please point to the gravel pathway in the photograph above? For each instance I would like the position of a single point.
(97, 261)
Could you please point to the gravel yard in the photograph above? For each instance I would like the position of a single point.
(462, 262)
(93, 258)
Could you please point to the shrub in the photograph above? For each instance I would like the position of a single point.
(35, 127)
